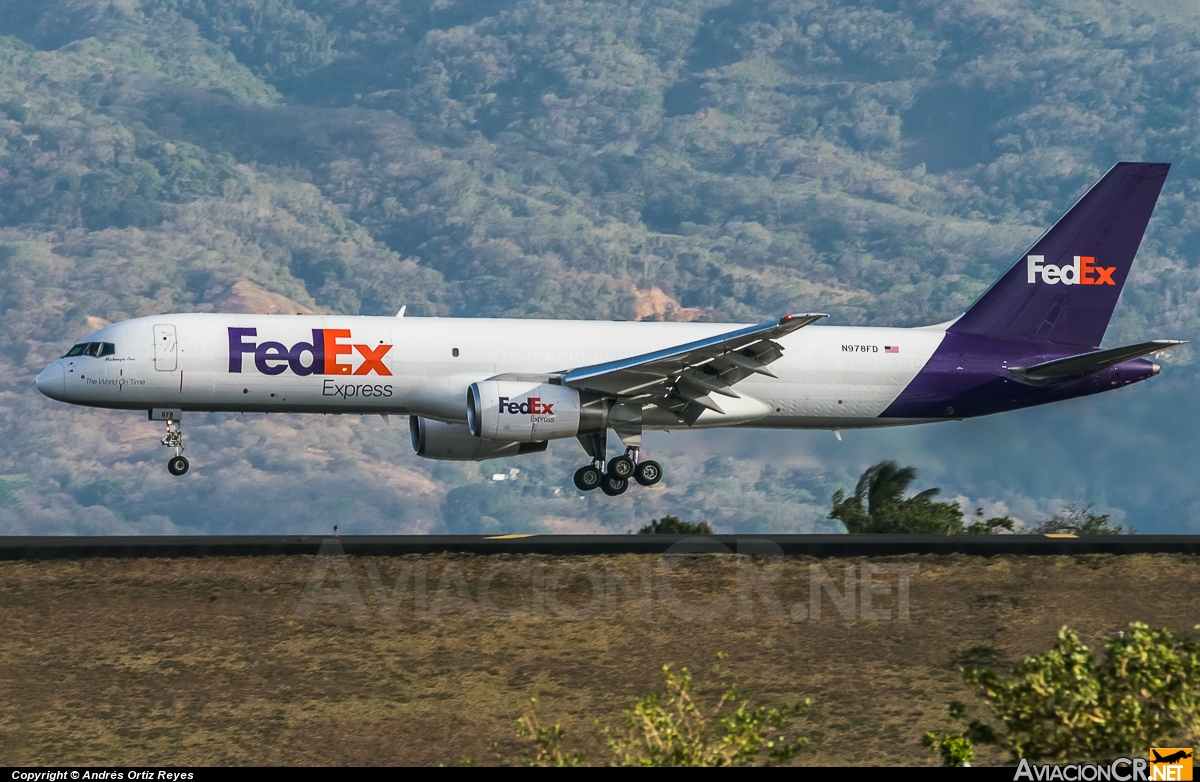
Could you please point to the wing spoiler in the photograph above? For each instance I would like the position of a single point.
(746, 351)
(1071, 367)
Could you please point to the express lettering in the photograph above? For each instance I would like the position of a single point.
(531, 406)
(319, 357)
(1083, 271)
(333, 388)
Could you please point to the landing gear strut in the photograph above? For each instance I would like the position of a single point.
(646, 473)
(589, 476)
(177, 464)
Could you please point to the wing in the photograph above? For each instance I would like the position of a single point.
(1086, 363)
(682, 379)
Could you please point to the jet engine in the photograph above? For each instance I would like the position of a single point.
(453, 442)
(530, 411)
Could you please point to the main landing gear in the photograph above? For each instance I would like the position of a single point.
(620, 469)
(177, 464)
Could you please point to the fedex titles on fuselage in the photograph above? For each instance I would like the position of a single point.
(327, 346)
(1083, 271)
(323, 357)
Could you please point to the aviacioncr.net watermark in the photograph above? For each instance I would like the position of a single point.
(696, 580)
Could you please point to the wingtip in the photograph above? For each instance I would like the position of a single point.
(792, 316)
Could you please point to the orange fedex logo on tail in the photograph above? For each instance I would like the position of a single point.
(1083, 271)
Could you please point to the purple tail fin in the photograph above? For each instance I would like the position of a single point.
(1065, 288)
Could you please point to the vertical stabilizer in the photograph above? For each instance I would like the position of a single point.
(1065, 288)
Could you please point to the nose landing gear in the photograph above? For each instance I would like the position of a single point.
(177, 464)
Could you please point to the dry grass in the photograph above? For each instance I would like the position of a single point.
(202, 661)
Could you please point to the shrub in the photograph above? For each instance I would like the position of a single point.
(1065, 705)
(673, 727)
(673, 525)
(955, 748)
(547, 749)
(1074, 520)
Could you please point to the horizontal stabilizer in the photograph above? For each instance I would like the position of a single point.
(1087, 363)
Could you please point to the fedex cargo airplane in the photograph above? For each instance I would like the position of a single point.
(476, 388)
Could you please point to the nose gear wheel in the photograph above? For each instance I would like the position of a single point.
(177, 464)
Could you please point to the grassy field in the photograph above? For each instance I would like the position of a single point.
(213, 661)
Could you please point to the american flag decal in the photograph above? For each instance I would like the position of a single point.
(891, 348)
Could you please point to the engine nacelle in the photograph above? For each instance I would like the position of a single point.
(454, 442)
(529, 411)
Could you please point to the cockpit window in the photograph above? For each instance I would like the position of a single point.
(94, 349)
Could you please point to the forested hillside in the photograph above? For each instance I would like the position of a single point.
(881, 161)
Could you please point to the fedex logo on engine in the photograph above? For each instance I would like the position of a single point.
(531, 406)
(1083, 271)
(319, 357)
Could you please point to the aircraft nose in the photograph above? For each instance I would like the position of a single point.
(53, 381)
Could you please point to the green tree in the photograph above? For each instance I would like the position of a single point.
(1076, 520)
(1064, 704)
(878, 505)
(992, 526)
(673, 525)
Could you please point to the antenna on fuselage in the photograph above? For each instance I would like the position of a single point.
(400, 314)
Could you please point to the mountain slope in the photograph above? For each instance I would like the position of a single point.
(882, 162)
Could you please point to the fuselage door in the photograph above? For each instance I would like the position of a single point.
(165, 348)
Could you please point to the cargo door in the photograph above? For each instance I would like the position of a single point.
(166, 348)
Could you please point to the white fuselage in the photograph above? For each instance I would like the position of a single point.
(829, 377)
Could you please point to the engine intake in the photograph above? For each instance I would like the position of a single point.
(454, 442)
(530, 411)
